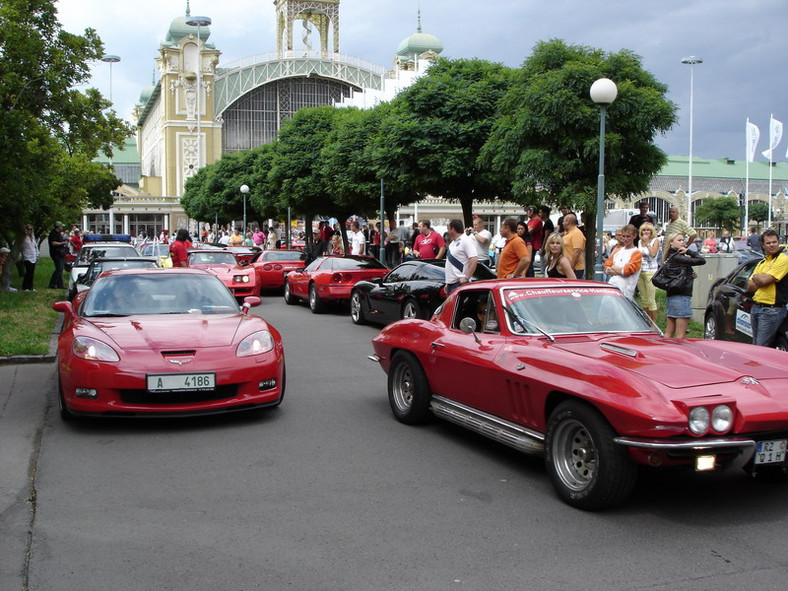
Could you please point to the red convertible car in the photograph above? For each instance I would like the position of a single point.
(574, 371)
(330, 279)
(162, 342)
(271, 266)
(239, 278)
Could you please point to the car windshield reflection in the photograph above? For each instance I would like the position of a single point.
(572, 310)
(158, 293)
(212, 257)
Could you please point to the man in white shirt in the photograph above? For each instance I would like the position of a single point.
(461, 257)
(358, 244)
(482, 240)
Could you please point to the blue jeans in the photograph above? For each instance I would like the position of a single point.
(765, 323)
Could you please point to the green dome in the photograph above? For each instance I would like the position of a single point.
(146, 93)
(179, 29)
(418, 43)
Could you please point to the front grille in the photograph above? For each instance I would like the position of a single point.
(144, 397)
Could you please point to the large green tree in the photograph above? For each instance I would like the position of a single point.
(431, 140)
(49, 130)
(718, 212)
(759, 212)
(546, 139)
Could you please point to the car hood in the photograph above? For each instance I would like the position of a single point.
(162, 333)
(681, 363)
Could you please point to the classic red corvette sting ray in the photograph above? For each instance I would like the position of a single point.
(162, 342)
(330, 279)
(574, 371)
(239, 278)
(271, 266)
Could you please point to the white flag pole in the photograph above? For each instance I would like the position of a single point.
(747, 152)
(771, 156)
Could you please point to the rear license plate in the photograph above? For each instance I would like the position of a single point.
(771, 452)
(181, 382)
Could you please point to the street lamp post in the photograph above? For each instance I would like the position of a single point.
(691, 61)
(603, 93)
(110, 59)
(244, 192)
(198, 21)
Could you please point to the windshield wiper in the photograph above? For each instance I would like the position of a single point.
(522, 322)
(107, 315)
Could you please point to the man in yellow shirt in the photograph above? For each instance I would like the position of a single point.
(769, 281)
(574, 245)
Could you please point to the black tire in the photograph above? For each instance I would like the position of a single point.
(710, 327)
(411, 309)
(290, 299)
(587, 468)
(315, 303)
(356, 309)
(65, 414)
(409, 391)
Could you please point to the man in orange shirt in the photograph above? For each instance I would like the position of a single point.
(513, 260)
(574, 245)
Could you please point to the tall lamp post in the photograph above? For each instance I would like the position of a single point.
(691, 61)
(603, 93)
(244, 191)
(199, 21)
(111, 59)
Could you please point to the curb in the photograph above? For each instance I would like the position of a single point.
(48, 357)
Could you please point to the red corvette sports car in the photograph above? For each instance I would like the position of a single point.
(147, 342)
(271, 266)
(239, 278)
(574, 371)
(330, 279)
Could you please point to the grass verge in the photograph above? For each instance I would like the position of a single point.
(27, 317)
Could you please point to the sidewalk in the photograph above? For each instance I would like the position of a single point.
(27, 387)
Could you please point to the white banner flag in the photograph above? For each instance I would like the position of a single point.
(775, 135)
(753, 135)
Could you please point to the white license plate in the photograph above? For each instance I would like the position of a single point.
(181, 382)
(771, 452)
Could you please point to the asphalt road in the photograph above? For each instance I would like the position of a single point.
(329, 492)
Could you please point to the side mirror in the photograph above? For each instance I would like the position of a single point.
(64, 307)
(468, 326)
(80, 278)
(250, 302)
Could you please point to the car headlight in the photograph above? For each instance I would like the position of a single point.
(699, 420)
(721, 418)
(241, 279)
(93, 350)
(255, 344)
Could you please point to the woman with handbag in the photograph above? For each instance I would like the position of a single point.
(676, 277)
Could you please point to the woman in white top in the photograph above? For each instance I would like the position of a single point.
(649, 246)
(30, 257)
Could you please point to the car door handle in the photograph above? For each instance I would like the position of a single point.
(435, 344)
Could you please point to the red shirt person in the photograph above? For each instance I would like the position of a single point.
(428, 244)
(179, 249)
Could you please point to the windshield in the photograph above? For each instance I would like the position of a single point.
(89, 253)
(212, 257)
(158, 293)
(572, 310)
(283, 255)
(99, 267)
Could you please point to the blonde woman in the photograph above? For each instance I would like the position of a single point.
(336, 248)
(649, 246)
(555, 262)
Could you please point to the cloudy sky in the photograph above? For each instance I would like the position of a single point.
(741, 42)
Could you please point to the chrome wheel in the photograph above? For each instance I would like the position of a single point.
(410, 309)
(289, 298)
(574, 455)
(409, 393)
(710, 327)
(315, 303)
(356, 313)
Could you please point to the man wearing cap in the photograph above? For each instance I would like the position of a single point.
(57, 250)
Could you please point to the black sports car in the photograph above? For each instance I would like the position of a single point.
(413, 289)
(727, 315)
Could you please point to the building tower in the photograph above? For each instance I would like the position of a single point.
(322, 14)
